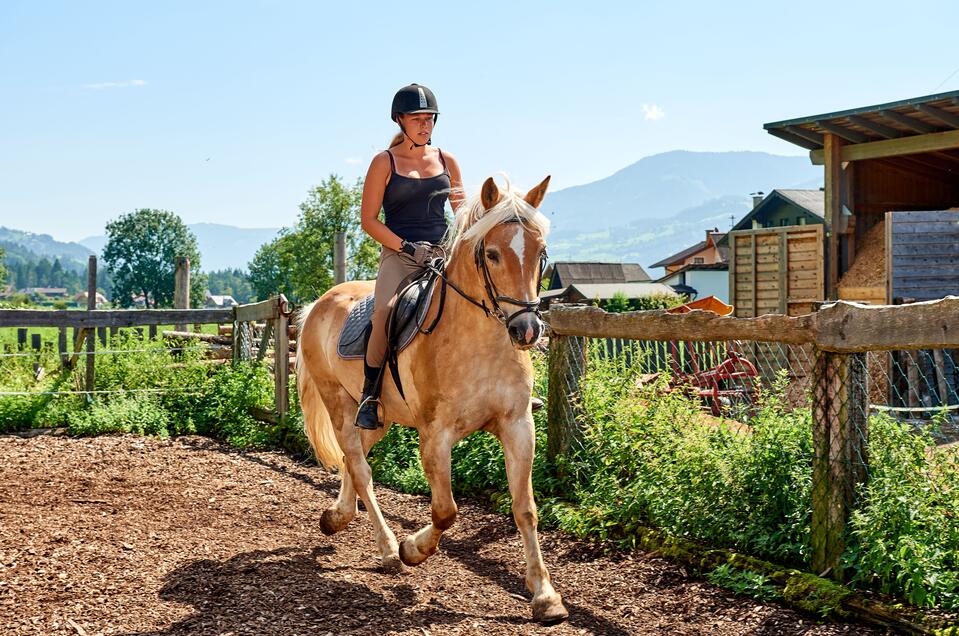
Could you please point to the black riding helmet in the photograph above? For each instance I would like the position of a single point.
(411, 100)
(414, 99)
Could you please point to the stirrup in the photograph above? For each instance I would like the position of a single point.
(375, 402)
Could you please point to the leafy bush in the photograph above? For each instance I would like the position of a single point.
(744, 582)
(905, 529)
(137, 414)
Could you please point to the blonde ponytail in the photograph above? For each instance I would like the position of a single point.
(397, 139)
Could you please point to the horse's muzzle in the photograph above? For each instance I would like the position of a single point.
(525, 330)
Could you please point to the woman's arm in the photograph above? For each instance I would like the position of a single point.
(373, 189)
(457, 196)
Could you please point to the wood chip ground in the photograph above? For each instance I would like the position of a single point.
(125, 535)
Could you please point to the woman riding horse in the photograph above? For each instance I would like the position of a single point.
(470, 370)
(411, 182)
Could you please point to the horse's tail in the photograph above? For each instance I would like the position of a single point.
(316, 417)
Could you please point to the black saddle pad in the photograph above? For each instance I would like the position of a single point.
(411, 308)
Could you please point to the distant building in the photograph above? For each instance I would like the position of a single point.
(81, 299)
(781, 208)
(585, 293)
(565, 273)
(705, 252)
(215, 301)
(698, 280)
(53, 293)
(585, 281)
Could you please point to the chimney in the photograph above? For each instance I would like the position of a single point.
(757, 198)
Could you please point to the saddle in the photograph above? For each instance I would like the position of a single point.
(406, 319)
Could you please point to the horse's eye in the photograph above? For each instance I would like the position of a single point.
(492, 256)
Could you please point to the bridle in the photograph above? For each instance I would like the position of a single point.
(493, 310)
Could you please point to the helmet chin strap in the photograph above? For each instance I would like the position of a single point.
(429, 142)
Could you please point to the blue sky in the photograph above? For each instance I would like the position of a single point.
(229, 112)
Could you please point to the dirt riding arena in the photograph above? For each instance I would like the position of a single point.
(124, 535)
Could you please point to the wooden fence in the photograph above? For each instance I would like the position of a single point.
(839, 334)
(87, 325)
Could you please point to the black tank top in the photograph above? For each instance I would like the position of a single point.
(414, 208)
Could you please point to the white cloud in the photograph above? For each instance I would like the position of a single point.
(123, 84)
(353, 161)
(652, 112)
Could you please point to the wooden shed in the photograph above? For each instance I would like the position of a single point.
(895, 157)
(891, 192)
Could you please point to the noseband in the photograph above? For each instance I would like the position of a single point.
(493, 310)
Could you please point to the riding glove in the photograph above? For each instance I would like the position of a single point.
(421, 252)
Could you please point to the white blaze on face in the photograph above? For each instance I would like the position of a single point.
(518, 245)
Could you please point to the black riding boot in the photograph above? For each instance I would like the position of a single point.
(366, 416)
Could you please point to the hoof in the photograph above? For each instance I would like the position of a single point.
(392, 564)
(332, 522)
(549, 610)
(410, 555)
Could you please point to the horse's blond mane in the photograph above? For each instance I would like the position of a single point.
(473, 221)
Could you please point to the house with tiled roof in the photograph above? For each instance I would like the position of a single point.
(783, 207)
(706, 252)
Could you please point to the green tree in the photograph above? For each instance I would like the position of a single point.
(3, 270)
(141, 253)
(299, 262)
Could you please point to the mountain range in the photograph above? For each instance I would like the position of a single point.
(650, 209)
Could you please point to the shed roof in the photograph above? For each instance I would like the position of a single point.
(591, 272)
(904, 118)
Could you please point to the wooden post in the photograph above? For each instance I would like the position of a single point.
(940, 370)
(834, 192)
(567, 362)
(36, 341)
(21, 339)
(281, 362)
(91, 333)
(62, 347)
(840, 431)
(151, 332)
(181, 288)
(339, 258)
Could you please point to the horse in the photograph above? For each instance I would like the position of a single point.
(471, 373)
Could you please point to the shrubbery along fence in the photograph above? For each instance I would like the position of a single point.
(835, 364)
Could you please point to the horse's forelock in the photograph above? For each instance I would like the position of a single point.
(473, 221)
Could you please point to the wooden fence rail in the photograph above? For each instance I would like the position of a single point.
(839, 333)
(275, 312)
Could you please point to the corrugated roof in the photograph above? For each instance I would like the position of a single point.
(904, 118)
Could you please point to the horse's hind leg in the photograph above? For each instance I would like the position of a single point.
(518, 445)
(361, 477)
(341, 513)
(435, 450)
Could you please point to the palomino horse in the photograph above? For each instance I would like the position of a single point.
(471, 373)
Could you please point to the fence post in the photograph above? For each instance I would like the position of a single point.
(840, 430)
(281, 361)
(339, 258)
(181, 288)
(567, 360)
(91, 333)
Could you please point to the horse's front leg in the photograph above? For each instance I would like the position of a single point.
(518, 447)
(435, 448)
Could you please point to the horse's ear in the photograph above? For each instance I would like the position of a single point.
(489, 195)
(535, 196)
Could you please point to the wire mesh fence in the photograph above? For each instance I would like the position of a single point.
(838, 394)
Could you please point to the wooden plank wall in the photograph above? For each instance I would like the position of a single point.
(776, 270)
(923, 263)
